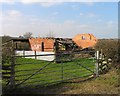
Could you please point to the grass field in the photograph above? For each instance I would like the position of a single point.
(53, 72)
(104, 84)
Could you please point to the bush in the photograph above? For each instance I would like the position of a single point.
(109, 48)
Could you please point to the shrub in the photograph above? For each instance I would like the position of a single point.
(109, 48)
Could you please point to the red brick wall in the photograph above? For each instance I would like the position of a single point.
(88, 41)
(36, 44)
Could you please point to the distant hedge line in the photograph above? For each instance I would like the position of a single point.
(110, 47)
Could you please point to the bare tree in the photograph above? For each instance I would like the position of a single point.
(50, 35)
(28, 35)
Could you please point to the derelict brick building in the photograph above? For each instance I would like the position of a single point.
(62, 44)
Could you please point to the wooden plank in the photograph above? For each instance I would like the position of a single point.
(5, 77)
(6, 68)
(6, 73)
(97, 64)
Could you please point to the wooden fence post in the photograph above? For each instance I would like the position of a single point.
(62, 71)
(35, 55)
(55, 50)
(1, 66)
(23, 53)
(97, 64)
(101, 54)
(12, 78)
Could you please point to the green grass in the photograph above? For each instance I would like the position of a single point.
(105, 84)
(53, 72)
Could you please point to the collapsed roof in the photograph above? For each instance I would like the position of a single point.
(85, 40)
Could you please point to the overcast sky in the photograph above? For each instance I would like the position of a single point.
(63, 19)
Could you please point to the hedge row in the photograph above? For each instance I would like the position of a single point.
(110, 47)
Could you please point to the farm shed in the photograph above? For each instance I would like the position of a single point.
(85, 40)
(17, 44)
(51, 44)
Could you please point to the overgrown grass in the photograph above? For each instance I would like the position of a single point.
(105, 84)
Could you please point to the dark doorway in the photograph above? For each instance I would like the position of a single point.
(42, 46)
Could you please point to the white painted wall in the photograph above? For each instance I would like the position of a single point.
(46, 58)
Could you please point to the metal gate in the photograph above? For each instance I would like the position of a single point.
(26, 71)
